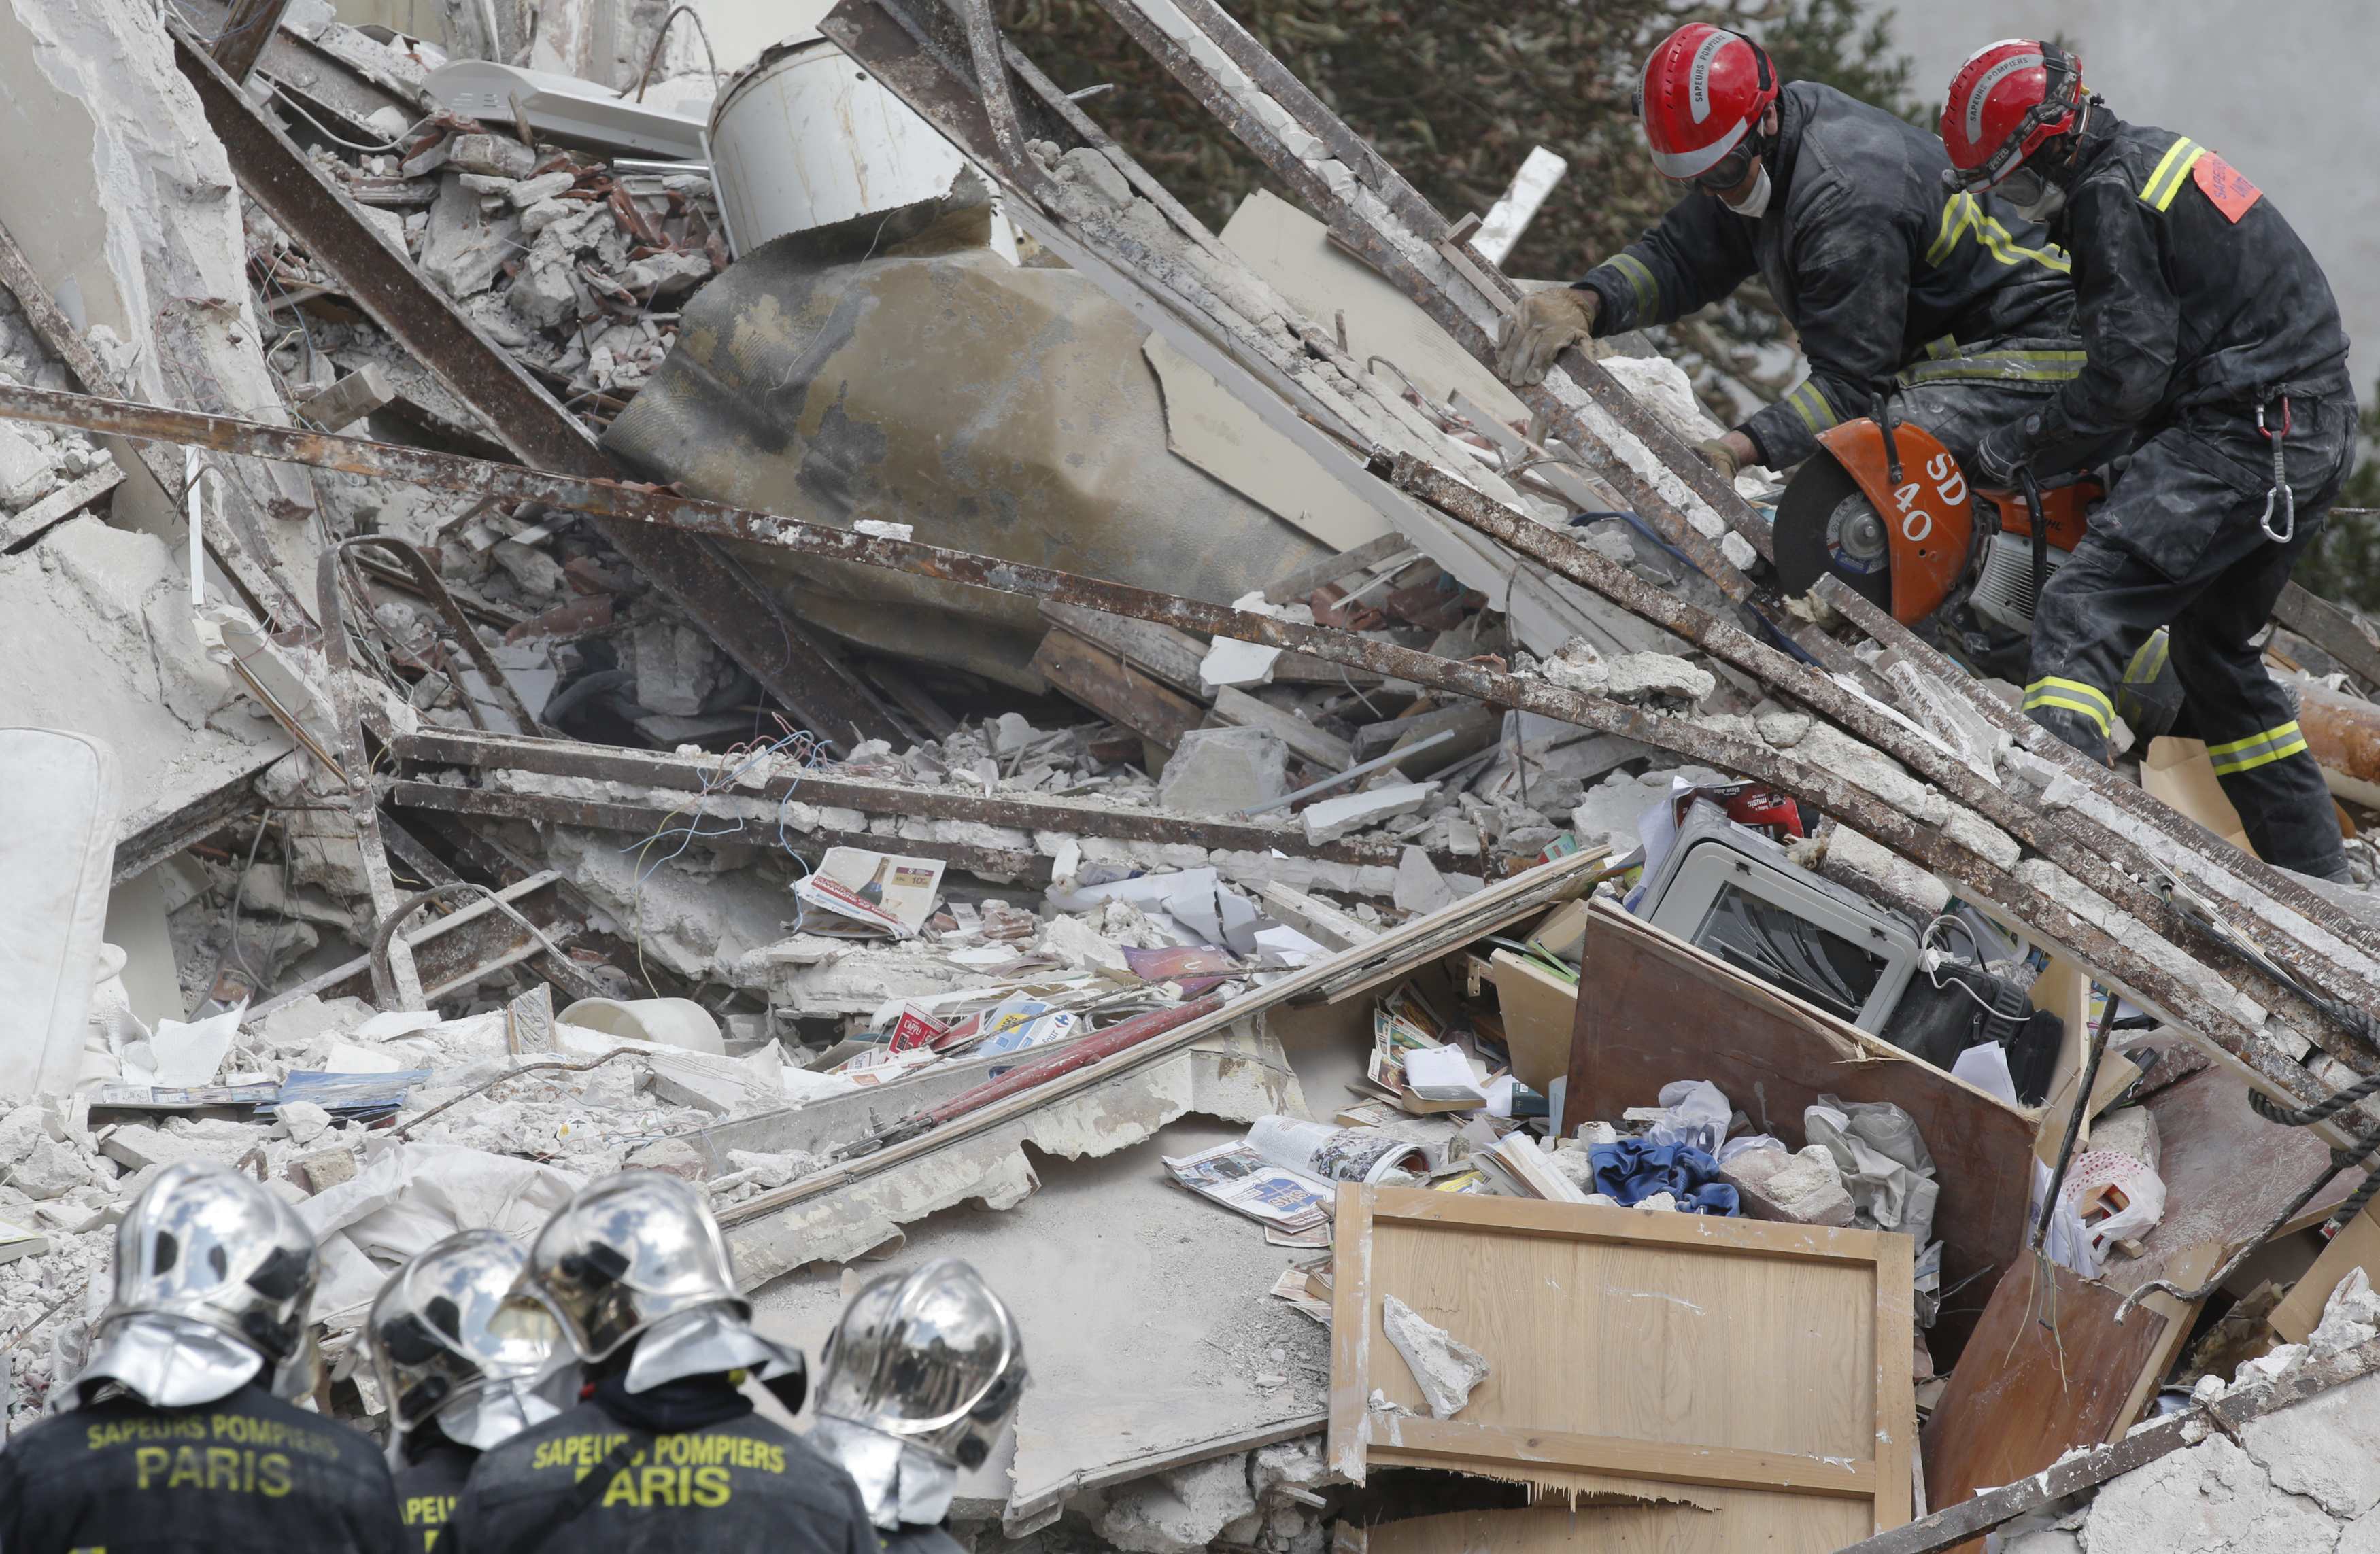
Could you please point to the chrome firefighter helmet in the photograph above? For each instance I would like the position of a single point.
(452, 1338)
(931, 1357)
(213, 1279)
(638, 1257)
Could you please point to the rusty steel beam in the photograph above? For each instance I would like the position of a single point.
(743, 617)
(246, 29)
(2109, 863)
(651, 769)
(1000, 865)
(2235, 876)
(2330, 628)
(2123, 961)
(169, 833)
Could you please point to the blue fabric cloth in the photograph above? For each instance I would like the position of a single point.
(1632, 1170)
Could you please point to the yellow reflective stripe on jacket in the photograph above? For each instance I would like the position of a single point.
(1640, 279)
(2024, 367)
(1812, 407)
(2165, 181)
(2074, 696)
(2149, 662)
(2257, 749)
(1962, 215)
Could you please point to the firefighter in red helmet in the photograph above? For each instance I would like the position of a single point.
(2216, 358)
(1896, 285)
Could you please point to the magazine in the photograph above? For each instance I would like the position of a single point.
(1237, 1177)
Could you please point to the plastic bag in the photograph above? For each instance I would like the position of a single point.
(1746, 1143)
(2100, 1181)
(1693, 1112)
(1885, 1166)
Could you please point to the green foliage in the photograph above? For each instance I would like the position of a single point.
(1455, 93)
(1825, 40)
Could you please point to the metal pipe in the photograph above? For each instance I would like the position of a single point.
(1359, 770)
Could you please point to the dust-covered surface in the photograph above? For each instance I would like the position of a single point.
(1144, 1308)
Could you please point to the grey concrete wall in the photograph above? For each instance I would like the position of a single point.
(2282, 89)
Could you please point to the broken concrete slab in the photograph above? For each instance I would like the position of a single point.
(1798, 1188)
(1223, 771)
(1331, 819)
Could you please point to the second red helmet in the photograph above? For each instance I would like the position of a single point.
(2006, 100)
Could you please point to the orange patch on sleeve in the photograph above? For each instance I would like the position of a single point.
(2233, 195)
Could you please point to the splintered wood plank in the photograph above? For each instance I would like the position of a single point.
(1773, 1055)
(2048, 1370)
(1651, 1356)
(1104, 683)
(1721, 1466)
(1720, 1522)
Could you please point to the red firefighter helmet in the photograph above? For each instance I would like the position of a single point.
(1704, 90)
(2006, 100)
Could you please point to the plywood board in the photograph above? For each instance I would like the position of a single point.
(1659, 1355)
(2178, 772)
(1539, 1011)
(2046, 1370)
(1292, 252)
(1207, 426)
(1653, 1009)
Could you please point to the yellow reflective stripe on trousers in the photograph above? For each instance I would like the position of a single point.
(1647, 289)
(2074, 696)
(2149, 662)
(1812, 407)
(2165, 181)
(2257, 749)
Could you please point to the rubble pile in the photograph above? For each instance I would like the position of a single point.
(1505, 924)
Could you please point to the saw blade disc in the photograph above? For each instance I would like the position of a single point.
(1826, 524)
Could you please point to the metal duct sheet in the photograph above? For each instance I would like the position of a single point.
(999, 409)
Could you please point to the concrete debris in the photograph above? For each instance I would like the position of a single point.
(1095, 878)
(1443, 1367)
(1184, 1511)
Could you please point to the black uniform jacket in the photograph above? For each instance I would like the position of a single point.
(430, 1484)
(250, 1472)
(685, 1468)
(2190, 290)
(1871, 259)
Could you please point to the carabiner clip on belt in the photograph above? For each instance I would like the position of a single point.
(2281, 495)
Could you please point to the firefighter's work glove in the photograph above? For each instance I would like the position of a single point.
(1719, 456)
(1533, 333)
(2000, 456)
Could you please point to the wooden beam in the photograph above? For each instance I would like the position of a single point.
(1103, 682)
(1721, 1466)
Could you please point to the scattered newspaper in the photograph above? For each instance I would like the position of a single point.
(866, 894)
(1237, 1177)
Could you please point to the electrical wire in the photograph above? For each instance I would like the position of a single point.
(334, 138)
